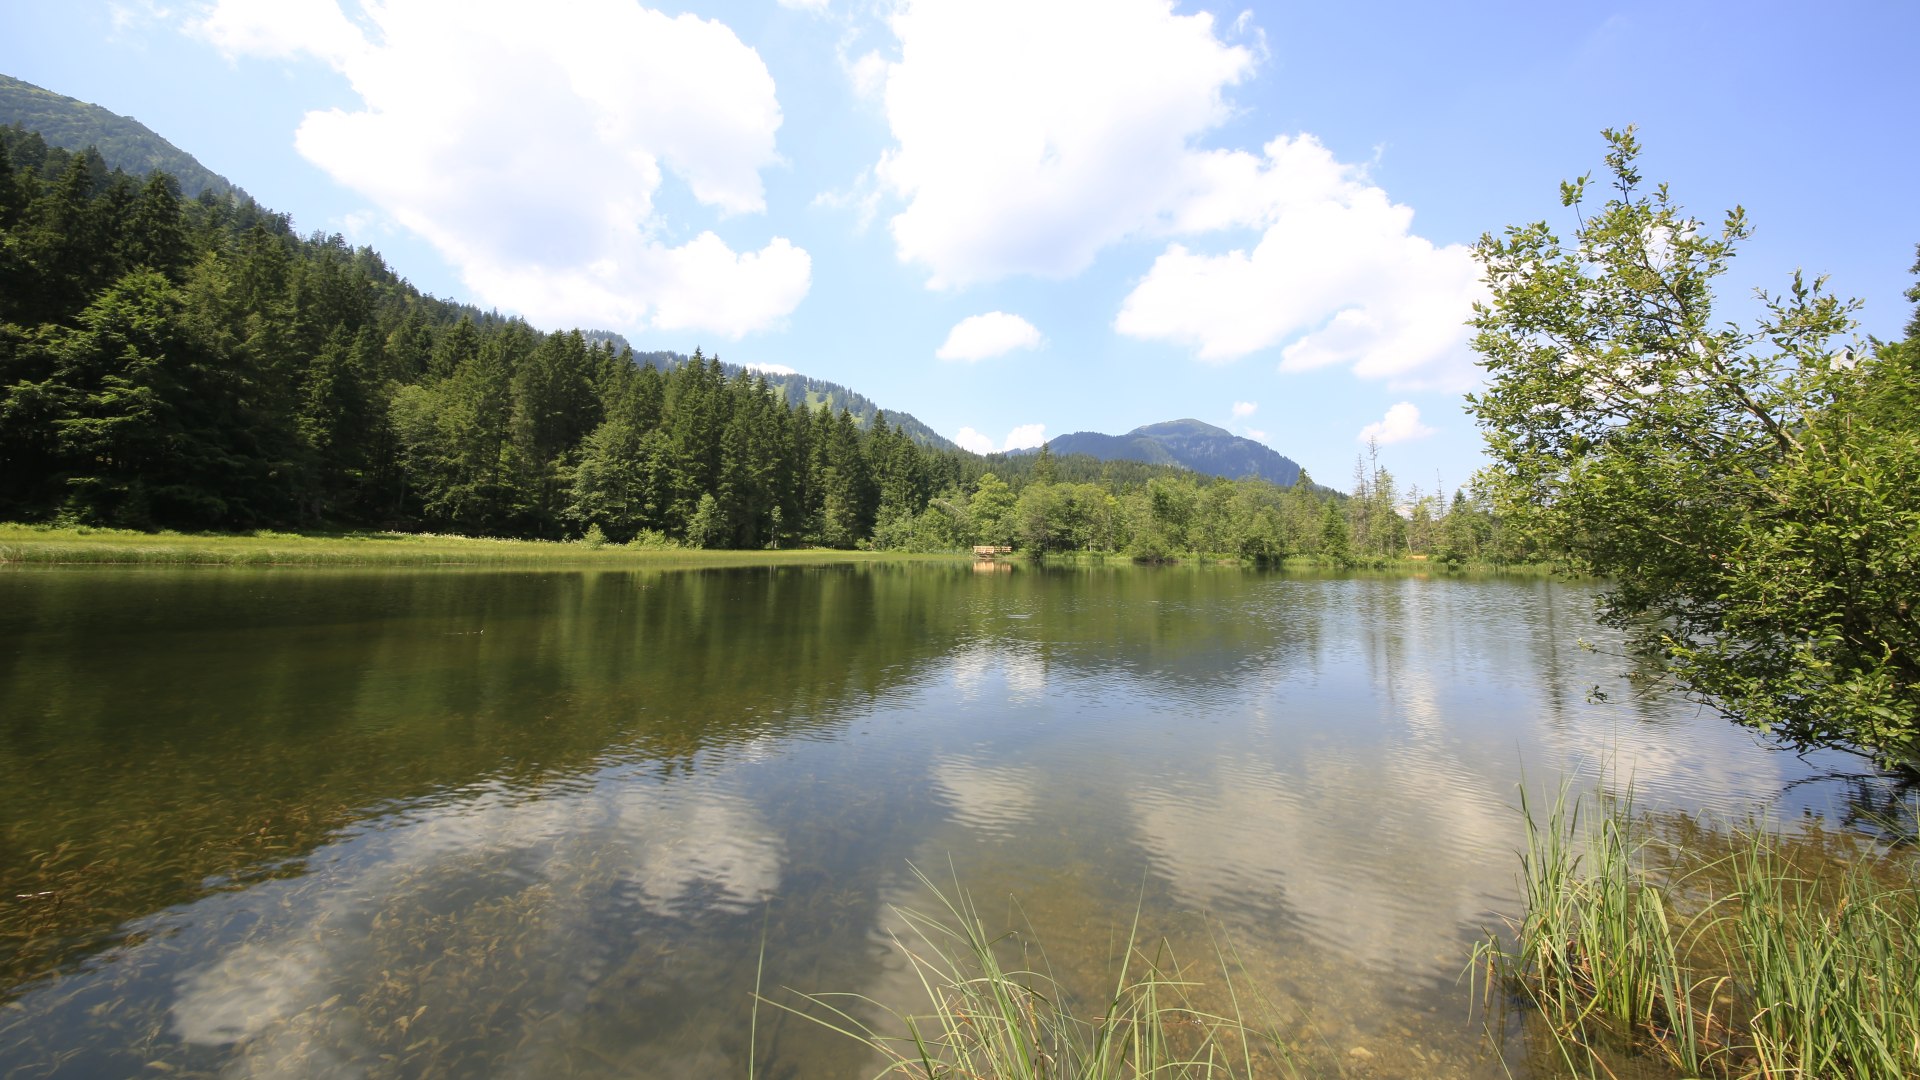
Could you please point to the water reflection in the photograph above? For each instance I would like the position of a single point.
(522, 887)
(164, 732)
(423, 824)
(992, 798)
(1007, 672)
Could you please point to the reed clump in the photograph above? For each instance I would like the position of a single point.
(1761, 962)
(992, 1015)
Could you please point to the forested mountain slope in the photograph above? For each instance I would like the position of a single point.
(126, 144)
(800, 389)
(123, 142)
(194, 363)
(1187, 443)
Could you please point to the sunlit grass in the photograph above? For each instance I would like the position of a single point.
(22, 544)
(49, 545)
(1760, 962)
(993, 1015)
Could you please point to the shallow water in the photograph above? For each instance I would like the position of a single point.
(286, 823)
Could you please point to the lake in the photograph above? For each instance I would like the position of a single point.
(340, 823)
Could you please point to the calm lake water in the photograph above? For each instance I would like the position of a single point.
(345, 824)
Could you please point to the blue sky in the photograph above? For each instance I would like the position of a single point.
(1017, 219)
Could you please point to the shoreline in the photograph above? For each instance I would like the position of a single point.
(27, 545)
(48, 546)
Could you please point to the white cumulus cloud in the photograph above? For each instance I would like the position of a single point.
(1244, 409)
(1028, 136)
(969, 439)
(1337, 275)
(1401, 424)
(282, 29)
(978, 337)
(527, 146)
(868, 72)
(1023, 437)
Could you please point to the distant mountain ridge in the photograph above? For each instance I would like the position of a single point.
(122, 141)
(125, 143)
(814, 392)
(799, 390)
(1186, 443)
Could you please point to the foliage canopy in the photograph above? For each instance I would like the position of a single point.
(1753, 492)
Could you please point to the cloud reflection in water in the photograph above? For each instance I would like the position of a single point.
(493, 882)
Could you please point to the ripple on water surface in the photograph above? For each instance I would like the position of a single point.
(523, 824)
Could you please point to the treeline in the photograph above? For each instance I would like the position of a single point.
(1150, 512)
(196, 364)
(800, 390)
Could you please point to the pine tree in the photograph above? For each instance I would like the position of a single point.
(334, 423)
(1043, 465)
(1336, 544)
(847, 504)
(409, 348)
(64, 245)
(156, 232)
(151, 423)
(455, 348)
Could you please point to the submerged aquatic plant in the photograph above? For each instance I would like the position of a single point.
(986, 1019)
(1781, 973)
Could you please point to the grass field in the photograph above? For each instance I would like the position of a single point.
(47, 546)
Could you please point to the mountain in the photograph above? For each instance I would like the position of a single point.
(813, 393)
(1187, 443)
(123, 142)
(233, 374)
(229, 373)
(799, 390)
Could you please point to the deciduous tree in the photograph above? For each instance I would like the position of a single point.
(1752, 492)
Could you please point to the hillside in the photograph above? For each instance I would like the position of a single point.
(196, 364)
(799, 390)
(1187, 443)
(123, 142)
(802, 390)
(128, 145)
(281, 381)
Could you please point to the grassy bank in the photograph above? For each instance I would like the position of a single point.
(50, 545)
(41, 545)
(1740, 955)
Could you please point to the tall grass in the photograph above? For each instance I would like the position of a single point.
(1746, 965)
(1832, 970)
(992, 1017)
